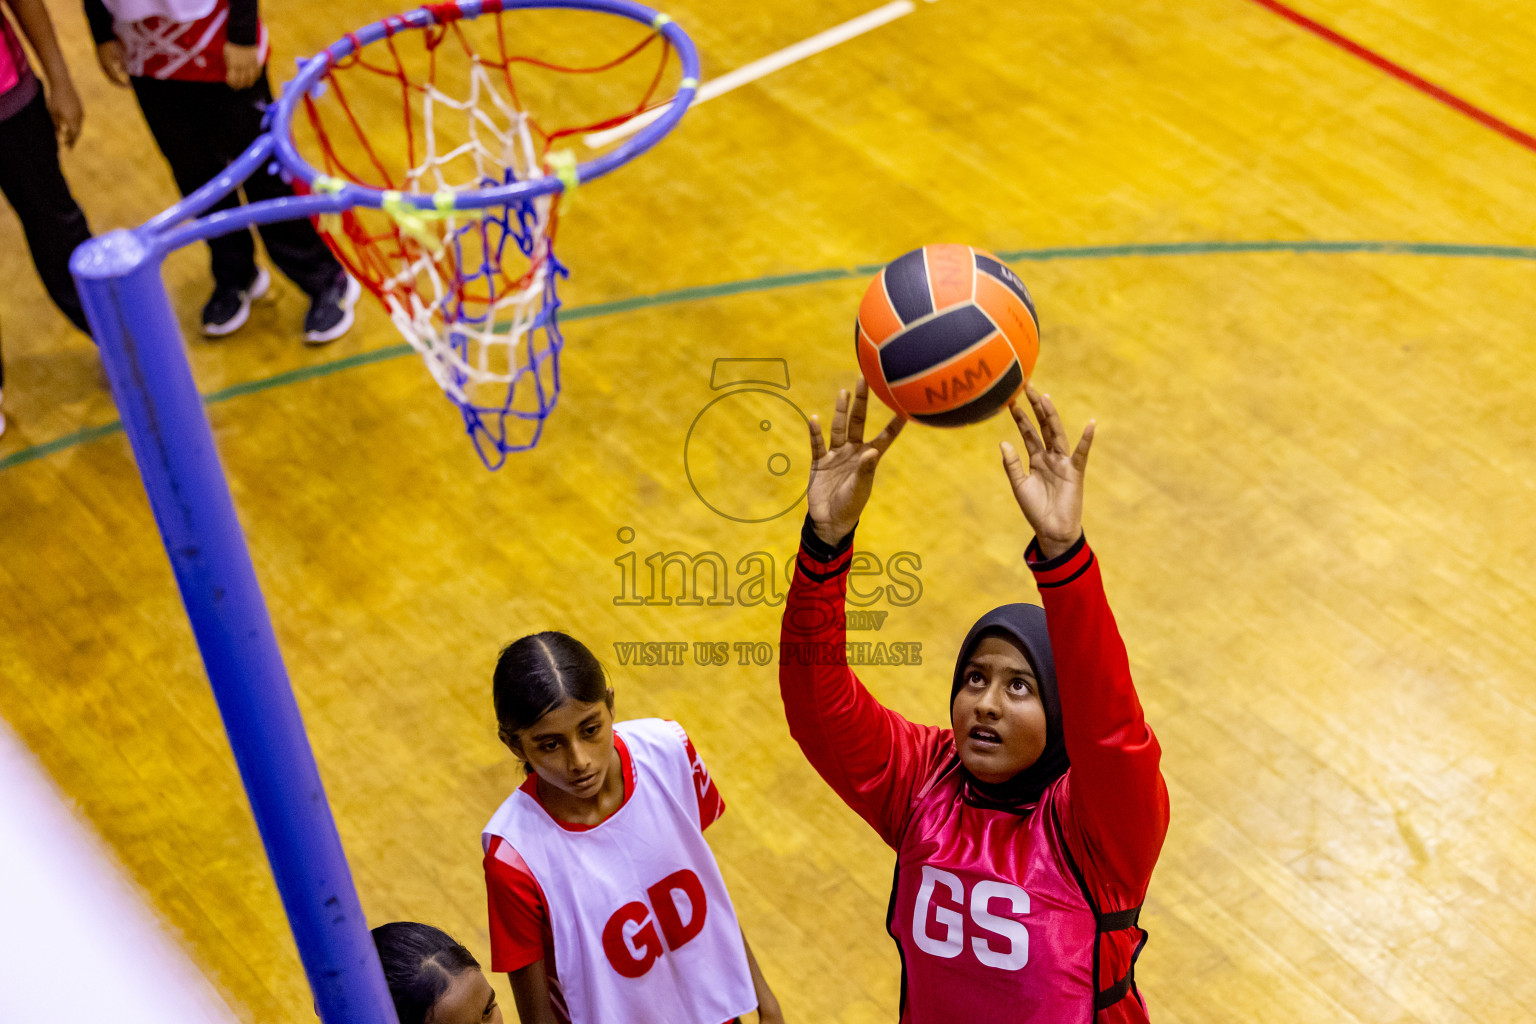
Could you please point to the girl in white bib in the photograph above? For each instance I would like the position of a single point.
(606, 904)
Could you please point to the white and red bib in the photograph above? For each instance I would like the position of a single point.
(642, 926)
(176, 39)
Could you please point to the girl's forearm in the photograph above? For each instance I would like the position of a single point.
(530, 991)
(767, 1003)
(32, 16)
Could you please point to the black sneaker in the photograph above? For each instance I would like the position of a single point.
(330, 312)
(228, 309)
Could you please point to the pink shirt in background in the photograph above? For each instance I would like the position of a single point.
(13, 59)
(17, 83)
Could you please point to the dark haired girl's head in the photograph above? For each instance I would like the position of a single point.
(1004, 707)
(432, 978)
(554, 710)
(540, 672)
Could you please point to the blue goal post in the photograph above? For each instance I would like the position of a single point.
(130, 314)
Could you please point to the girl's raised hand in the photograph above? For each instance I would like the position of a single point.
(1050, 489)
(843, 474)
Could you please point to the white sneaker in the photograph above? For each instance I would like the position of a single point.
(228, 309)
(330, 312)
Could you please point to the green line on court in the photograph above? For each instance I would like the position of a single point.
(778, 281)
(715, 291)
(303, 373)
(58, 444)
(1085, 252)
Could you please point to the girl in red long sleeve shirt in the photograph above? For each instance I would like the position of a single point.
(1025, 835)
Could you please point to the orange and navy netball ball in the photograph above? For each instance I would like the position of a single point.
(947, 335)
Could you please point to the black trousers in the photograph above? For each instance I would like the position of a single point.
(33, 182)
(201, 127)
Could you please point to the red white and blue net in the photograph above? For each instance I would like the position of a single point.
(474, 288)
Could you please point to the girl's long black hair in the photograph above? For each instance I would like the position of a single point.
(419, 963)
(538, 673)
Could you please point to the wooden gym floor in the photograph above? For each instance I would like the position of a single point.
(1312, 493)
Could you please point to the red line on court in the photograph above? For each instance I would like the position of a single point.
(1401, 73)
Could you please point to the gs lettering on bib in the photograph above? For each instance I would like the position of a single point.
(1000, 942)
(643, 929)
(987, 914)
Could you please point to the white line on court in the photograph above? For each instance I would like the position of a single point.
(766, 66)
(76, 939)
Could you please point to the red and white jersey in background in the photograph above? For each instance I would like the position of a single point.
(630, 915)
(176, 39)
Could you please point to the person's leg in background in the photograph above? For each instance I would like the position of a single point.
(33, 183)
(185, 119)
(294, 245)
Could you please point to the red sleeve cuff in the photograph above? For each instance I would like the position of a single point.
(515, 961)
(1064, 568)
(819, 560)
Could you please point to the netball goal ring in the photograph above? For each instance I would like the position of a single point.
(447, 209)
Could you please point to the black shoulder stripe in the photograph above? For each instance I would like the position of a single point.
(1061, 583)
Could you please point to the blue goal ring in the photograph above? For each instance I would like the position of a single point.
(184, 222)
(350, 194)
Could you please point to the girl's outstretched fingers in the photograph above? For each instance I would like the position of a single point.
(1014, 466)
(843, 465)
(887, 437)
(1051, 432)
(1080, 455)
(818, 444)
(857, 411)
(1027, 433)
(840, 420)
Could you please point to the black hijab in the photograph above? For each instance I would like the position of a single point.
(1025, 625)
